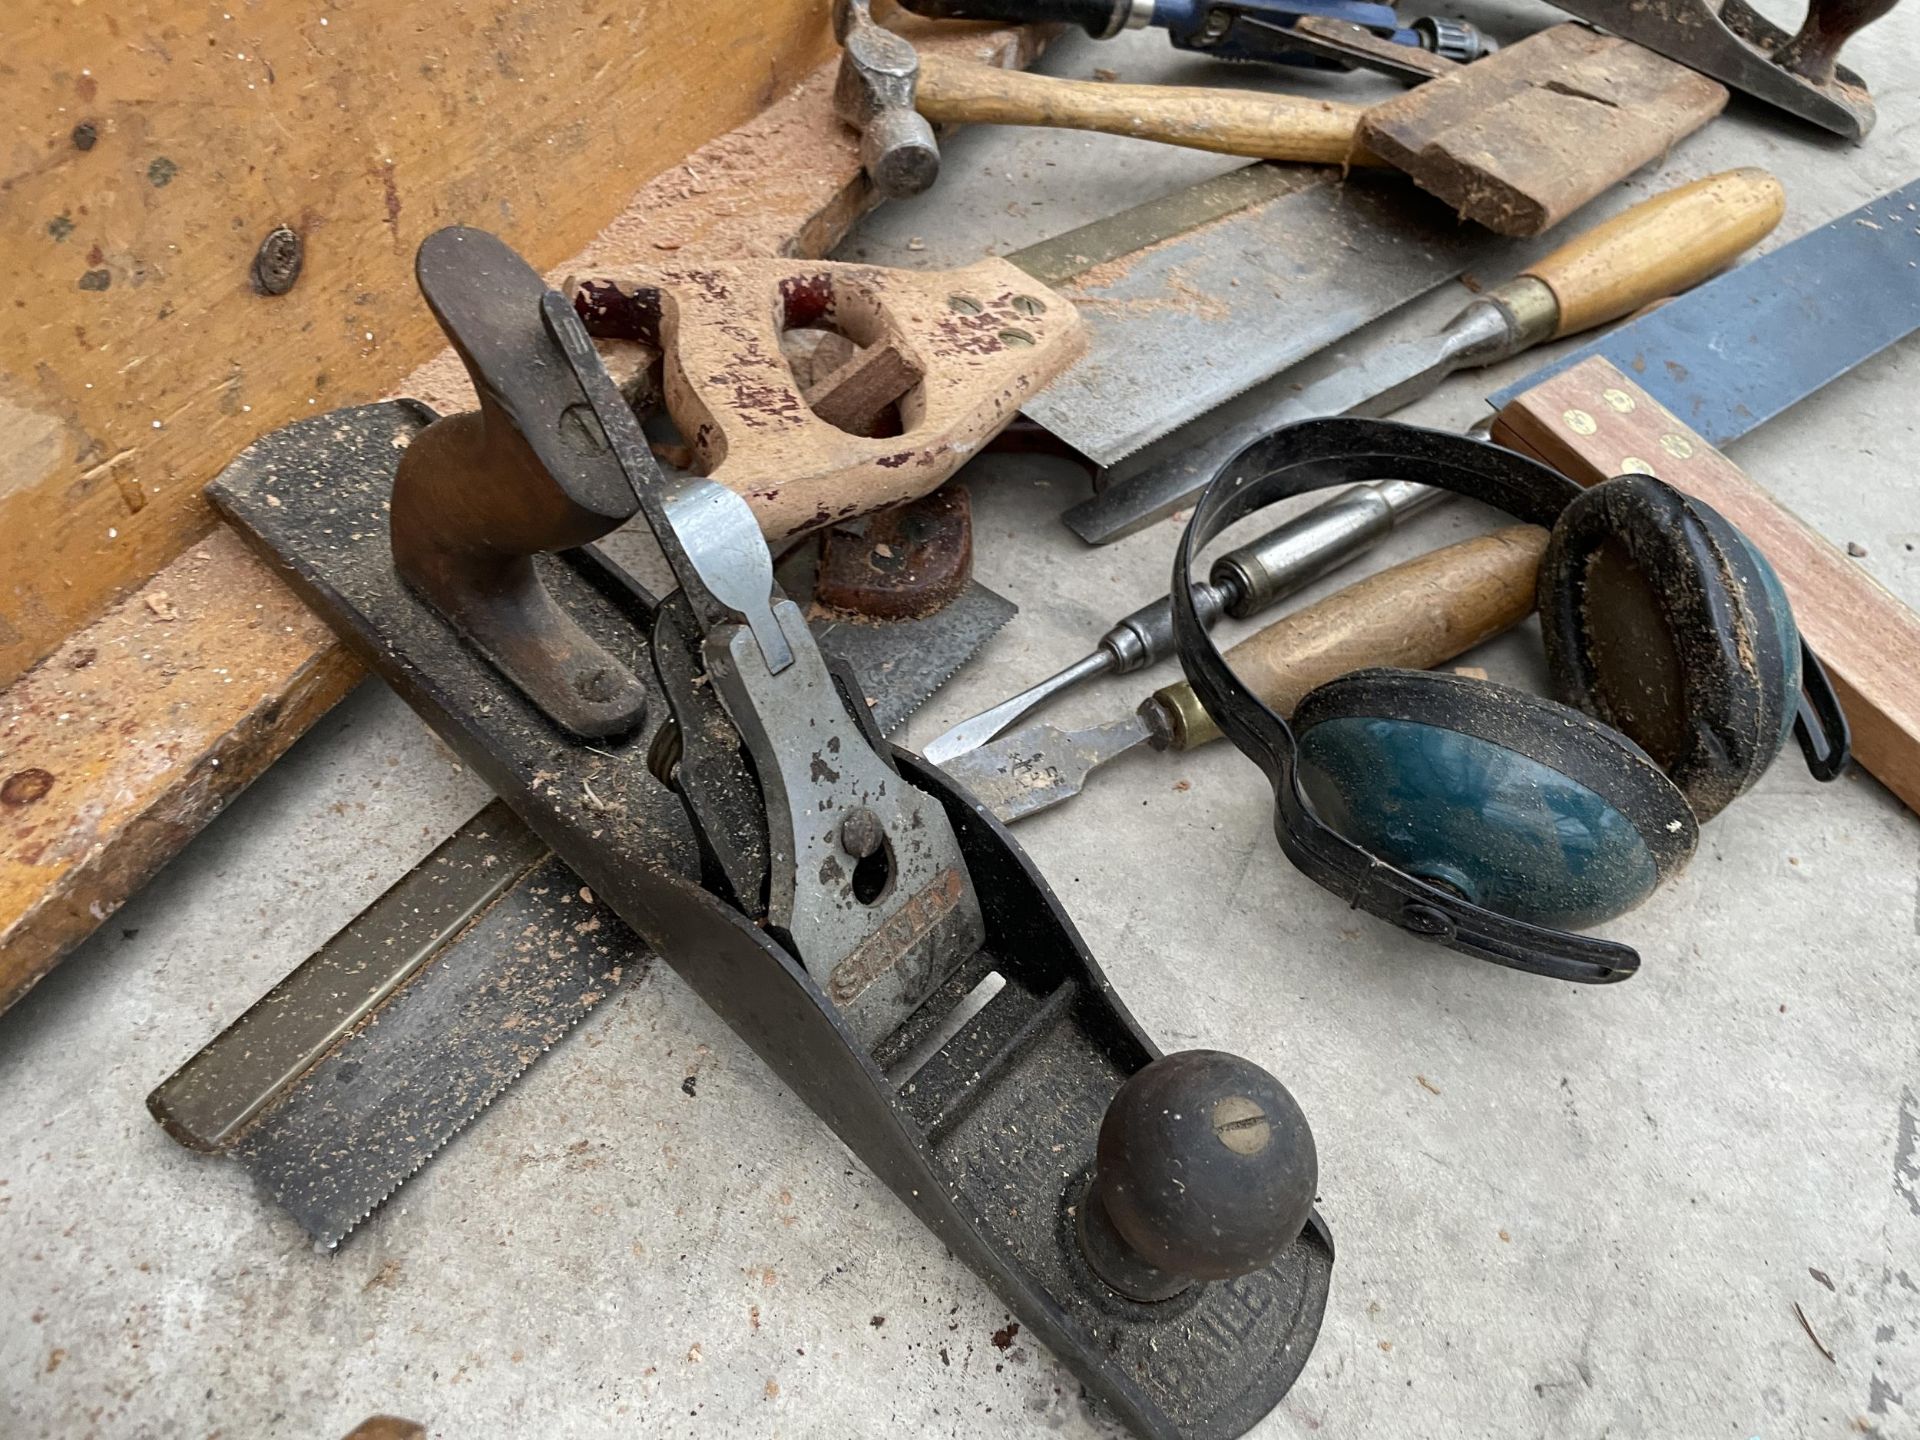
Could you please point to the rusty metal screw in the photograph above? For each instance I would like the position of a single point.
(276, 265)
(861, 834)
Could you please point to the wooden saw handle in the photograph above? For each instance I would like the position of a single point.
(1229, 122)
(1663, 246)
(1413, 616)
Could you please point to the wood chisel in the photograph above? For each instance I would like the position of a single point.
(1660, 247)
(1413, 616)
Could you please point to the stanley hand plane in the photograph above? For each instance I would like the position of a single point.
(869, 930)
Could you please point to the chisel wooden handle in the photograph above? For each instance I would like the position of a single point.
(1662, 246)
(1414, 616)
(1230, 122)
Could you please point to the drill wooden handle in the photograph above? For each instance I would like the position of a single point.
(1413, 616)
(1662, 246)
(1230, 122)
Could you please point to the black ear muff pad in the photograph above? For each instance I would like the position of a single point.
(1506, 799)
(1662, 621)
(1618, 779)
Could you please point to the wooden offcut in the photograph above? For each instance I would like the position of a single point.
(852, 396)
(122, 744)
(1520, 140)
(787, 181)
(1592, 422)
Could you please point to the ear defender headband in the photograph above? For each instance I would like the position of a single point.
(1493, 820)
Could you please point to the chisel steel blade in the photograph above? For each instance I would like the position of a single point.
(1041, 766)
(1191, 300)
(1733, 353)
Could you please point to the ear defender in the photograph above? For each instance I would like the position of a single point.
(1662, 621)
(1506, 799)
(1498, 822)
(1672, 641)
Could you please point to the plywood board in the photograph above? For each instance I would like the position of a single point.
(152, 148)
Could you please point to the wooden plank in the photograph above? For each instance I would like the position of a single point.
(130, 737)
(152, 148)
(1522, 139)
(786, 182)
(1592, 422)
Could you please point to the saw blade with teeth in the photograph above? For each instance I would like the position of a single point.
(355, 1070)
(380, 1106)
(340, 1084)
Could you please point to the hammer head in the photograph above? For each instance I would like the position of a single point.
(874, 93)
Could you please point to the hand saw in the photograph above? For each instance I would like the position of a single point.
(838, 902)
(345, 1079)
(1193, 298)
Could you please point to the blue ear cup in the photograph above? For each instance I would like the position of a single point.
(1663, 621)
(1508, 800)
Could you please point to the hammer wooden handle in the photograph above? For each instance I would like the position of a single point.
(1416, 615)
(1229, 122)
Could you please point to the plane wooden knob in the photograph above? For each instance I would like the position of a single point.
(1205, 1170)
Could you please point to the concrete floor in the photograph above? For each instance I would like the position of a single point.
(1560, 1211)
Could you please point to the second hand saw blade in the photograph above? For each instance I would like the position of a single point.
(354, 1071)
(359, 1067)
(376, 1109)
(1191, 299)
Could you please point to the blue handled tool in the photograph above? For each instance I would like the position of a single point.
(1252, 30)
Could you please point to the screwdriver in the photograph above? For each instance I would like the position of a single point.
(1241, 583)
